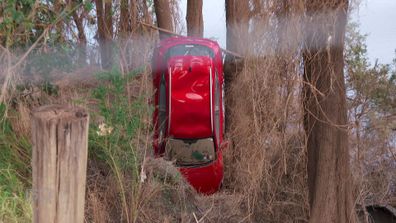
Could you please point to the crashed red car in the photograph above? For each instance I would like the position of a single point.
(188, 116)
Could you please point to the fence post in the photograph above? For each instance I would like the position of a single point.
(59, 163)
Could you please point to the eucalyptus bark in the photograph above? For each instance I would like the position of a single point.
(325, 113)
(194, 18)
(164, 17)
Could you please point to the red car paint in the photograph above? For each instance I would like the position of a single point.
(189, 95)
(190, 107)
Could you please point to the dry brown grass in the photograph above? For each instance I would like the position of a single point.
(265, 168)
(267, 162)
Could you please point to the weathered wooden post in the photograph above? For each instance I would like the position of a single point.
(59, 160)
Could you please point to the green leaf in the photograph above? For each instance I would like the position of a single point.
(88, 6)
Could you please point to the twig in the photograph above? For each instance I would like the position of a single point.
(195, 217)
(207, 212)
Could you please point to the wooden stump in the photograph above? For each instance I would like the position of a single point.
(59, 161)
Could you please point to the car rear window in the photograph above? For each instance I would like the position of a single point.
(190, 50)
(187, 152)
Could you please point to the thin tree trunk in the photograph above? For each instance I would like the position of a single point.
(105, 32)
(60, 24)
(164, 17)
(124, 19)
(133, 14)
(82, 39)
(194, 18)
(325, 114)
(147, 18)
(124, 33)
(107, 64)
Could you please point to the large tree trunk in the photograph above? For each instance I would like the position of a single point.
(164, 17)
(194, 18)
(105, 32)
(325, 113)
(237, 22)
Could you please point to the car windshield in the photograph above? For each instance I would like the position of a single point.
(189, 152)
(191, 50)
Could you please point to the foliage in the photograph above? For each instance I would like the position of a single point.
(372, 106)
(112, 139)
(377, 83)
(14, 171)
(16, 18)
(23, 21)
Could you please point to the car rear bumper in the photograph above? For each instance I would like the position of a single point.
(205, 179)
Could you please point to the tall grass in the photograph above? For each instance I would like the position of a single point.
(265, 169)
(112, 140)
(14, 173)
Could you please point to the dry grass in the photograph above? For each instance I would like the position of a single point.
(267, 163)
(265, 168)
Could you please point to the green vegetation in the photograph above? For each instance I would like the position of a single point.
(117, 121)
(268, 135)
(372, 84)
(14, 174)
(112, 140)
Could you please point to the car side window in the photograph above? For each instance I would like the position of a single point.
(217, 95)
(162, 108)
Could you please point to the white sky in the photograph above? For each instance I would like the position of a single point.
(214, 19)
(377, 18)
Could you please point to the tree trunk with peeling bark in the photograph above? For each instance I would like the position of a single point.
(194, 18)
(325, 113)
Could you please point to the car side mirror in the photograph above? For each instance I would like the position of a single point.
(224, 145)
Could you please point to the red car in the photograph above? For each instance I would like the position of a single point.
(188, 116)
